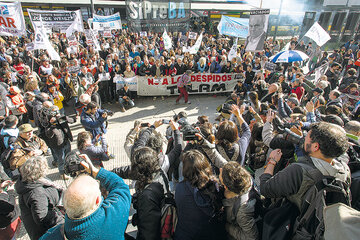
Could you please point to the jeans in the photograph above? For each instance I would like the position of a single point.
(184, 93)
(59, 155)
(123, 103)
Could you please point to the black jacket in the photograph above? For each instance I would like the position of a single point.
(9, 211)
(144, 70)
(37, 202)
(57, 135)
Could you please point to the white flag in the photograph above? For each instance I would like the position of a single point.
(194, 49)
(76, 25)
(41, 41)
(233, 50)
(167, 40)
(318, 34)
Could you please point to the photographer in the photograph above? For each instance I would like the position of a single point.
(58, 137)
(125, 99)
(93, 120)
(225, 108)
(88, 215)
(97, 154)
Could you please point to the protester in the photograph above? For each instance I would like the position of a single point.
(183, 82)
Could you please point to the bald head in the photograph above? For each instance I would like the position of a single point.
(82, 197)
(47, 104)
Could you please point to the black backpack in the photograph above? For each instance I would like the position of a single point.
(326, 191)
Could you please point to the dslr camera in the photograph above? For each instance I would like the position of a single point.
(72, 164)
(108, 112)
(189, 132)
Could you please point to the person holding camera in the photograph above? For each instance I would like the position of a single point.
(38, 198)
(88, 215)
(125, 99)
(58, 137)
(97, 154)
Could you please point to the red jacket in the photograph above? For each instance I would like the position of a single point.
(299, 91)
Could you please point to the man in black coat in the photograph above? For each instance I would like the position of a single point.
(125, 99)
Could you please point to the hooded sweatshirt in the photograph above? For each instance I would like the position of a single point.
(8, 133)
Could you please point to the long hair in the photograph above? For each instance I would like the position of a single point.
(196, 169)
(144, 162)
(227, 134)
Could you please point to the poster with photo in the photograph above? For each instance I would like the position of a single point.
(258, 25)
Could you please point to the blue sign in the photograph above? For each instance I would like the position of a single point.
(232, 26)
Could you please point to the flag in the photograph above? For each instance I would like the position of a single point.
(41, 41)
(12, 19)
(232, 26)
(76, 25)
(233, 50)
(319, 71)
(194, 49)
(167, 40)
(318, 34)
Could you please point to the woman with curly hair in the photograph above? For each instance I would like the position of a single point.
(198, 201)
(38, 198)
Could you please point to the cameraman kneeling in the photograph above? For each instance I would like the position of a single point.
(88, 215)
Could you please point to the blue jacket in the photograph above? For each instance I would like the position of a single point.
(95, 124)
(8, 133)
(109, 221)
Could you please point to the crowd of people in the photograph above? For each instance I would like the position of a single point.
(294, 131)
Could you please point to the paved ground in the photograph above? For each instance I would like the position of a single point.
(146, 110)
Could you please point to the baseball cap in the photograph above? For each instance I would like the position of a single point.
(25, 128)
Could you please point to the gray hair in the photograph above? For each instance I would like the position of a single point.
(352, 127)
(33, 169)
(80, 198)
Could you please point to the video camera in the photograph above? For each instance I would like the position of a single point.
(108, 112)
(72, 164)
(189, 132)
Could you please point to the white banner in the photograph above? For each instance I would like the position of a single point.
(233, 50)
(318, 34)
(192, 35)
(104, 76)
(11, 19)
(201, 84)
(167, 40)
(56, 20)
(131, 82)
(107, 22)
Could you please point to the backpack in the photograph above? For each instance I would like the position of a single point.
(325, 191)
(4, 159)
(169, 216)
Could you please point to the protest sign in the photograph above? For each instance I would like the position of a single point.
(201, 84)
(167, 40)
(258, 24)
(155, 15)
(131, 82)
(107, 22)
(11, 19)
(192, 35)
(104, 76)
(59, 19)
(232, 26)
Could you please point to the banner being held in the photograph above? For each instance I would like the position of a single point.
(56, 20)
(258, 23)
(201, 84)
(233, 51)
(318, 34)
(232, 26)
(167, 40)
(155, 15)
(11, 19)
(107, 22)
(41, 41)
(131, 82)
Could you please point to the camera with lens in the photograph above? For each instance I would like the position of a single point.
(293, 137)
(226, 108)
(108, 112)
(72, 164)
(189, 132)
